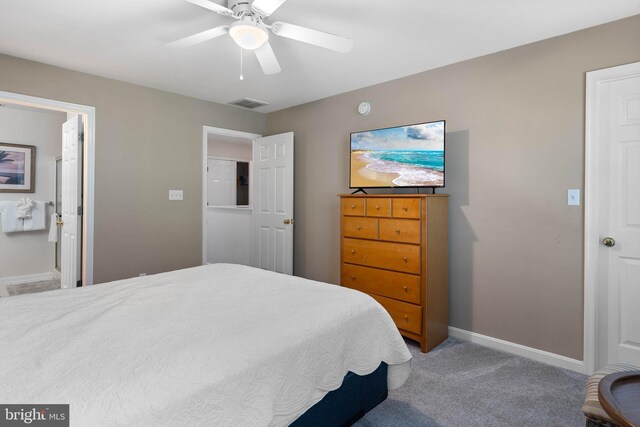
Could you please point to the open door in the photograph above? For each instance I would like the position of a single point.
(273, 202)
(71, 231)
(618, 138)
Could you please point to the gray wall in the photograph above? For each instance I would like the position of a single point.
(147, 142)
(230, 149)
(515, 144)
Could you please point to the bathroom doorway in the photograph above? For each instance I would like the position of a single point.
(48, 176)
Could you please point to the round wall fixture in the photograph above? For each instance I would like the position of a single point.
(364, 108)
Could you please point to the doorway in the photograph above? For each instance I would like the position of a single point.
(612, 217)
(227, 196)
(259, 234)
(84, 175)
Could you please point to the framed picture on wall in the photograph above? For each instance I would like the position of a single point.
(17, 168)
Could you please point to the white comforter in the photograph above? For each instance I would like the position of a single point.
(217, 345)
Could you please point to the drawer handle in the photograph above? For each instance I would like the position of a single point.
(353, 206)
(406, 318)
(406, 289)
(404, 208)
(353, 251)
(353, 277)
(405, 259)
(358, 227)
(377, 208)
(398, 230)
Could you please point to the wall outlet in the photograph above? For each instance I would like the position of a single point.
(573, 197)
(175, 195)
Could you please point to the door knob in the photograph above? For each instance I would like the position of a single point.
(288, 221)
(59, 222)
(609, 242)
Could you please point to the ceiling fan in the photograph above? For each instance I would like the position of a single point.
(251, 33)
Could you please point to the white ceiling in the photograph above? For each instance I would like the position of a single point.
(125, 40)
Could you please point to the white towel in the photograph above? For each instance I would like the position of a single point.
(53, 228)
(38, 217)
(9, 218)
(24, 206)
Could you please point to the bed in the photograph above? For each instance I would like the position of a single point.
(220, 344)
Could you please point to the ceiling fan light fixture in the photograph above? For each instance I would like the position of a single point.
(247, 35)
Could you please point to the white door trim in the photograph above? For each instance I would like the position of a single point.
(592, 199)
(88, 166)
(206, 130)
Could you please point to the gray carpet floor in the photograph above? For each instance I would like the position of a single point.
(463, 384)
(32, 288)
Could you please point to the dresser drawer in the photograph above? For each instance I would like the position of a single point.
(401, 286)
(387, 255)
(406, 208)
(353, 206)
(362, 227)
(400, 230)
(406, 316)
(379, 206)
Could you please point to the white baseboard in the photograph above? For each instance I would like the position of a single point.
(519, 350)
(26, 279)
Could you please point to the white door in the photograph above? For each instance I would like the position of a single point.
(273, 202)
(71, 232)
(618, 140)
(221, 182)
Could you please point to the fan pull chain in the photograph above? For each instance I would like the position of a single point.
(241, 77)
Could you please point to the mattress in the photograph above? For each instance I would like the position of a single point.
(221, 344)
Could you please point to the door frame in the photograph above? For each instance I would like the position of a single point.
(88, 167)
(594, 80)
(206, 131)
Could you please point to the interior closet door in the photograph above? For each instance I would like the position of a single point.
(273, 202)
(71, 233)
(221, 182)
(619, 213)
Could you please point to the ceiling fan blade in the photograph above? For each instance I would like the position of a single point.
(267, 59)
(266, 7)
(212, 6)
(200, 37)
(314, 37)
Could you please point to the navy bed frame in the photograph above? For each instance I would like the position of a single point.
(342, 407)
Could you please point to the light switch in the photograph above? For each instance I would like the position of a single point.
(175, 195)
(573, 197)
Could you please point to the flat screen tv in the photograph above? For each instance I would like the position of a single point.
(402, 156)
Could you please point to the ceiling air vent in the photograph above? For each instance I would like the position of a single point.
(248, 103)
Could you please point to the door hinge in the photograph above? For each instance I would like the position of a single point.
(81, 136)
(79, 210)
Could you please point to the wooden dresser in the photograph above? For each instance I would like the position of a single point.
(395, 248)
